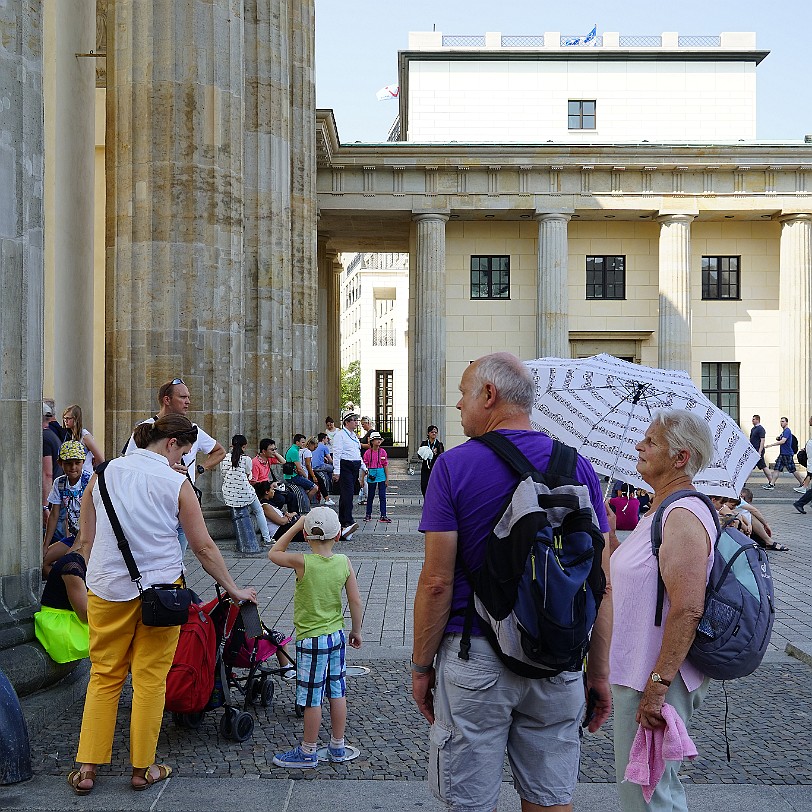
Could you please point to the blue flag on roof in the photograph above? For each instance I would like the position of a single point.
(590, 37)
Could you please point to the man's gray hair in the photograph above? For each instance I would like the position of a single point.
(511, 378)
(686, 431)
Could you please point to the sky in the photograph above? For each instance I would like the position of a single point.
(357, 42)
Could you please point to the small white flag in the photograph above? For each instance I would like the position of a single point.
(388, 92)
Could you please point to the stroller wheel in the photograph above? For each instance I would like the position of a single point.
(266, 694)
(227, 723)
(243, 727)
(255, 689)
(299, 711)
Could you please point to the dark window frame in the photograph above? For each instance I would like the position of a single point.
(598, 290)
(715, 374)
(482, 278)
(579, 118)
(723, 287)
(384, 399)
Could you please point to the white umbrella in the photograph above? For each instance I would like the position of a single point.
(602, 407)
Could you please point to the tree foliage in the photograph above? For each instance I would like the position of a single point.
(351, 383)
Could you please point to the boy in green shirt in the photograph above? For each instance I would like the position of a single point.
(321, 577)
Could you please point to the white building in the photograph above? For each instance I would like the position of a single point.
(565, 200)
(374, 295)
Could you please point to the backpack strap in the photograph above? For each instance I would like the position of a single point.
(657, 540)
(563, 460)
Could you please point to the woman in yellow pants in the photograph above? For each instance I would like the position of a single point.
(152, 497)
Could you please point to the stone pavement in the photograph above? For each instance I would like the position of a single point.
(768, 721)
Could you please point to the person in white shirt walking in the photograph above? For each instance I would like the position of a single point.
(346, 466)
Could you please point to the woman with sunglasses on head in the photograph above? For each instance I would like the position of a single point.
(74, 430)
(150, 499)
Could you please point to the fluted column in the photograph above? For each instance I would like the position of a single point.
(552, 323)
(304, 289)
(70, 119)
(21, 274)
(427, 360)
(674, 331)
(174, 163)
(332, 327)
(267, 219)
(795, 332)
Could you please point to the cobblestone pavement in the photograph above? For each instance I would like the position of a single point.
(768, 722)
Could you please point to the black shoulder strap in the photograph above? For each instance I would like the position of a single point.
(123, 544)
(563, 458)
(657, 540)
(507, 451)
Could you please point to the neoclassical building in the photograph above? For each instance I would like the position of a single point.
(562, 200)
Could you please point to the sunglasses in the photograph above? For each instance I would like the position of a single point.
(176, 381)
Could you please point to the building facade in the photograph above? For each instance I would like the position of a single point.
(374, 316)
(581, 223)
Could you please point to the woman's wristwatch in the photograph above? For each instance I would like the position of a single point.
(200, 469)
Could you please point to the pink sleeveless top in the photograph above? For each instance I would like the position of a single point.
(636, 641)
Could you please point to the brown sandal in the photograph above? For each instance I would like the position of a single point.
(75, 777)
(164, 771)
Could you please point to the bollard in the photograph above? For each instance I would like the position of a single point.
(244, 530)
(15, 751)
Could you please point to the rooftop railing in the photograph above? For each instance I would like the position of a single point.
(464, 41)
(531, 41)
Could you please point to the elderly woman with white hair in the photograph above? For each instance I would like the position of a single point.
(647, 662)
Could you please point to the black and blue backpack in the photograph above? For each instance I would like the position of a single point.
(541, 582)
(734, 632)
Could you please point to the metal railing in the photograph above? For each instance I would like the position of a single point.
(641, 42)
(699, 42)
(531, 41)
(395, 430)
(464, 41)
(384, 337)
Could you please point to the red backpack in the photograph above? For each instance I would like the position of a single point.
(190, 681)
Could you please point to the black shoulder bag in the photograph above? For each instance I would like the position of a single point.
(161, 604)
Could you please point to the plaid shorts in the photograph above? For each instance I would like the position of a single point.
(785, 463)
(320, 669)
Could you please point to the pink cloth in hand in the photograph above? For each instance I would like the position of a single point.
(652, 748)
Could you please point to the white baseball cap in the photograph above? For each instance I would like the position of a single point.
(322, 524)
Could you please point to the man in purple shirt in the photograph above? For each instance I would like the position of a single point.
(477, 708)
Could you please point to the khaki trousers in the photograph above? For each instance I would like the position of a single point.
(121, 644)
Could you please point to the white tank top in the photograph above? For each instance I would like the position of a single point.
(144, 491)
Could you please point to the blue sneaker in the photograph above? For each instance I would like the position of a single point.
(296, 758)
(337, 754)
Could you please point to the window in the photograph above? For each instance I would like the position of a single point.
(581, 115)
(606, 277)
(720, 277)
(384, 403)
(490, 277)
(720, 384)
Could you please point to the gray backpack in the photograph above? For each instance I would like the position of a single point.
(735, 629)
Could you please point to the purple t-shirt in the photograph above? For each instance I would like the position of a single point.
(467, 490)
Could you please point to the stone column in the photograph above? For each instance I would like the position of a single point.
(281, 276)
(795, 333)
(174, 162)
(552, 325)
(332, 327)
(674, 331)
(427, 361)
(21, 274)
(69, 89)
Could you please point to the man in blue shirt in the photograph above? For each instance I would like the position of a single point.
(785, 461)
